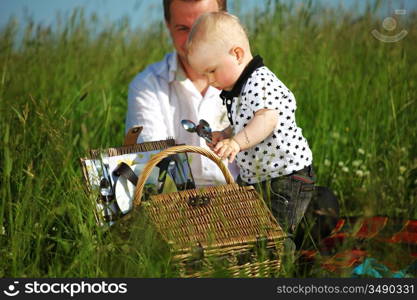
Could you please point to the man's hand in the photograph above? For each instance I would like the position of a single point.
(216, 136)
(227, 148)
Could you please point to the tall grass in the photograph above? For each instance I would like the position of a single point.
(63, 91)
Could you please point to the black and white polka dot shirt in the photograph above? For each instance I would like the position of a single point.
(285, 150)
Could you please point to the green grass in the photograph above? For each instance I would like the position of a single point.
(64, 91)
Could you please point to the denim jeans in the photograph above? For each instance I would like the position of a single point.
(288, 196)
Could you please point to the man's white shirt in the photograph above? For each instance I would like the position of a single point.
(160, 97)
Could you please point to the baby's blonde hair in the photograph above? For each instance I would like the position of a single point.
(218, 28)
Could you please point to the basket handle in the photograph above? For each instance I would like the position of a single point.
(132, 135)
(170, 151)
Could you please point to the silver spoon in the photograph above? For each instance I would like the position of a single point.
(202, 129)
(189, 125)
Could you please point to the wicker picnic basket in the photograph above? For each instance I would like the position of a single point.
(101, 183)
(226, 227)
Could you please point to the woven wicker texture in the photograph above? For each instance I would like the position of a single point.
(234, 216)
(142, 147)
(226, 223)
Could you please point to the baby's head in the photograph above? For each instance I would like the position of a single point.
(218, 47)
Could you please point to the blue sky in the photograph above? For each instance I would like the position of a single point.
(139, 11)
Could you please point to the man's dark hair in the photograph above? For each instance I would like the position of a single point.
(167, 5)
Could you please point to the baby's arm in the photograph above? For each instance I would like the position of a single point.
(259, 128)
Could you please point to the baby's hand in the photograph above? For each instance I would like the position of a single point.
(227, 148)
(216, 136)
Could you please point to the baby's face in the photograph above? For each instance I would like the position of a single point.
(219, 65)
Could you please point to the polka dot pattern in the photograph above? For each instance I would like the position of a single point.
(285, 150)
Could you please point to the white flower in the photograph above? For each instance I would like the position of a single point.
(402, 169)
(3, 230)
(341, 164)
(345, 169)
(327, 162)
(400, 179)
(336, 135)
(356, 163)
(361, 151)
(359, 173)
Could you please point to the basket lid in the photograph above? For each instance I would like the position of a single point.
(214, 216)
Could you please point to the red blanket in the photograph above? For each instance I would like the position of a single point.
(391, 241)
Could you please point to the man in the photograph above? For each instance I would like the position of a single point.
(169, 91)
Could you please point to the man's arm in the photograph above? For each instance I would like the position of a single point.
(144, 109)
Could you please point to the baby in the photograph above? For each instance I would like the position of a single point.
(269, 147)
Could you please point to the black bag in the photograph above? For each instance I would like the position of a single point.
(320, 218)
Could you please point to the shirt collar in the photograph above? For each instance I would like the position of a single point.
(175, 70)
(255, 63)
(177, 73)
